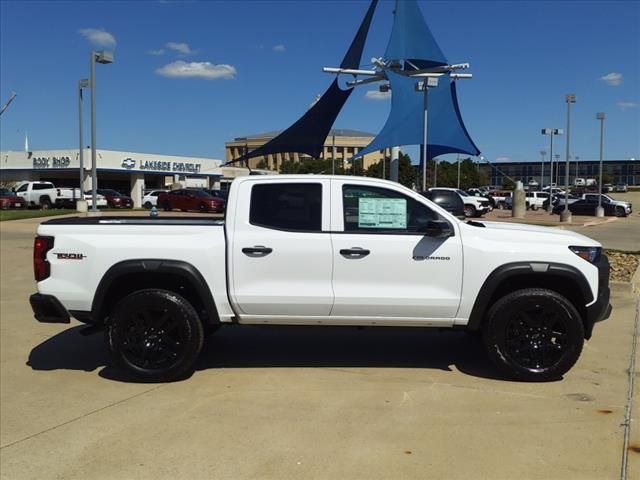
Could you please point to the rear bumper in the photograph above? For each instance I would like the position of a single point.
(48, 309)
(601, 309)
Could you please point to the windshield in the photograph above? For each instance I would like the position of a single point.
(6, 191)
(108, 191)
(462, 192)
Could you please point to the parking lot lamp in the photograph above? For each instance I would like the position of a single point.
(542, 154)
(103, 57)
(565, 215)
(599, 210)
(551, 132)
(81, 203)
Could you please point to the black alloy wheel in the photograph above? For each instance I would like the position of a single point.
(155, 336)
(203, 208)
(620, 212)
(534, 334)
(166, 206)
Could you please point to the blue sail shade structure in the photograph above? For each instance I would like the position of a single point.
(446, 130)
(411, 38)
(412, 50)
(309, 133)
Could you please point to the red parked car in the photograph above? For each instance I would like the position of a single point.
(116, 199)
(185, 199)
(8, 199)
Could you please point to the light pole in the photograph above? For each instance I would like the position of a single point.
(599, 210)
(565, 215)
(577, 168)
(458, 171)
(551, 132)
(424, 86)
(557, 157)
(103, 57)
(81, 204)
(542, 154)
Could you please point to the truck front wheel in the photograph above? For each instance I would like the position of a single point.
(534, 334)
(469, 211)
(155, 336)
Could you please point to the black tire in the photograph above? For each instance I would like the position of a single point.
(500, 206)
(469, 211)
(203, 208)
(166, 206)
(620, 212)
(533, 335)
(154, 336)
(534, 207)
(45, 203)
(147, 205)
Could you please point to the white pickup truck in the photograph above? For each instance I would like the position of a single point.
(321, 250)
(45, 195)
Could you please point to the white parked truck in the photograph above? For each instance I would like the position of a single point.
(321, 250)
(45, 195)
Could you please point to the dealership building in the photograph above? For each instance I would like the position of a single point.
(619, 171)
(127, 172)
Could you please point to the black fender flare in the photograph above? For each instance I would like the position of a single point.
(178, 268)
(510, 270)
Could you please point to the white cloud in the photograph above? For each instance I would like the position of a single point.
(503, 158)
(625, 105)
(614, 79)
(98, 37)
(182, 48)
(157, 52)
(377, 95)
(279, 48)
(204, 70)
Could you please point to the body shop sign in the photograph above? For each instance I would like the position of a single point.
(51, 162)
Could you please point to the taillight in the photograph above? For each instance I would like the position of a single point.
(41, 267)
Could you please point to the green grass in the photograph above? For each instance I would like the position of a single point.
(6, 215)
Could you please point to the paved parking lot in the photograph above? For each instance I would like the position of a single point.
(304, 403)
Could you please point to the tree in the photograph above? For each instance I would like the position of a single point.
(406, 171)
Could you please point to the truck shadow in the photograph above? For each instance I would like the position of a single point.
(265, 347)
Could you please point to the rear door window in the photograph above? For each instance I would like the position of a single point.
(287, 206)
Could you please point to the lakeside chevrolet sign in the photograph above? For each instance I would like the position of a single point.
(170, 166)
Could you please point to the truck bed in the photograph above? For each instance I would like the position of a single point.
(128, 220)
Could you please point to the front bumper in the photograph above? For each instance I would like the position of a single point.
(601, 309)
(48, 309)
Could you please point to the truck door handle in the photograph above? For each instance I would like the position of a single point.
(355, 252)
(257, 251)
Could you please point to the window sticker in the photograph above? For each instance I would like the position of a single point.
(382, 213)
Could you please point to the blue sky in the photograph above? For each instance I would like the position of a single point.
(189, 76)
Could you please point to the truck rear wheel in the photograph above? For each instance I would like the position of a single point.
(45, 203)
(534, 334)
(155, 336)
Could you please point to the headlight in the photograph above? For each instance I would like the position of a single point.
(590, 254)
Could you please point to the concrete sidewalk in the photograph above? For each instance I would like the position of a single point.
(305, 403)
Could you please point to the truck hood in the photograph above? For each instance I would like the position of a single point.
(549, 232)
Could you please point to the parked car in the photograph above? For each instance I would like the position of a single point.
(499, 198)
(217, 193)
(535, 200)
(327, 251)
(185, 199)
(450, 201)
(116, 199)
(621, 188)
(9, 199)
(623, 208)
(588, 207)
(473, 206)
(150, 199)
(559, 200)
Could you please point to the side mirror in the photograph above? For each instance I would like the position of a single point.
(438, 229)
